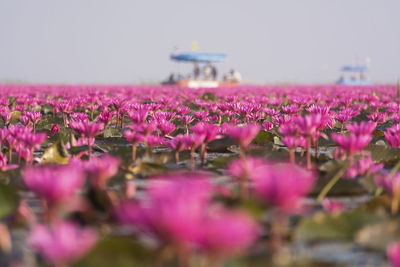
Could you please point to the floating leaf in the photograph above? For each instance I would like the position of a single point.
(378, 236)
(8, 200)
(57, 153)
(220, 162)
(15, 116)
(385, 154)
(344, 226)
(112, 132)
(220, 145)
(117, 251)
(263, 137)
(145, 169)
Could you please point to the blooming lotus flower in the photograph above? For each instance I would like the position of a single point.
(278, 119)
(186, 120)
(134, 138)
(24, 120)
(34, 117)
(56, 184)
(79, 116)
(210, 131)
(3, 137)
(351, 143)
(224, 233)
(3, 164)
(105, 117)
(62, 242)
(101, 170)
(290, 109)
(364, 128)
(173, 212)
(282, 185)
(393, 254)
(243, 135)
(166, 127)
(333, 207)
(239, 168)
(89, 130)
(321, 109)
(145, 129)
(6, 116)
(183, 110)
(138, 116)
(392, 135)
(377, 117)
(202, 116)
(311, 123)
(178, 144)
(153, 140)
(364, 166)
(391, 184)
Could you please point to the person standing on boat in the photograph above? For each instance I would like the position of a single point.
(207, 70)
(236, 76)
(196, 71)
(214, 72)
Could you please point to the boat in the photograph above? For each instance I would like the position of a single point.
(354, 75)
(202, 79)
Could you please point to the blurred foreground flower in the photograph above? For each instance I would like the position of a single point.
(55, 184)
(282, 185)
(179, 212)
(393, 254)
(61, 243)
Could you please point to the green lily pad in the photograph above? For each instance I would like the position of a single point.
(220, 145)
(263, 137)
(343, 226)
(384, 154)
(378, 236)
(112, 132)
(8, 200)
(57, 153)
(117, 251)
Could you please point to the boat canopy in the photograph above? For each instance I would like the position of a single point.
(199, 57)
(358, 68)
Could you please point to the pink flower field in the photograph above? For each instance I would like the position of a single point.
(282, 175)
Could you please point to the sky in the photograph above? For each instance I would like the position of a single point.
(129, 41)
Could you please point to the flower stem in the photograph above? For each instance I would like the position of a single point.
(292, 155)
(329, 185)
(395, 169)
(192, 159)
(309, 153)
(133, 153)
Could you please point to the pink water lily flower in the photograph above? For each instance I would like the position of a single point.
(392, 135)
(351, 143)
(334, 207)
(61, 243)
(282, 185)
(3, 164)
(364, 128)
(224, 233)
(101, 170)
(56, 184)
(88, 130)
(173, 212)
(243, 135)
(393, 254)
(54, 129)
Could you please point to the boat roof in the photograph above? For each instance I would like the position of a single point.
(354, 68)
(199, 57)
